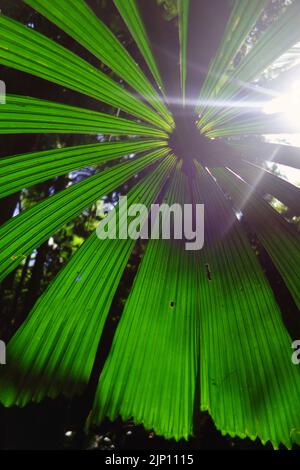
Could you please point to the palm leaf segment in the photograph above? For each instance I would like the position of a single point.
(193, 321)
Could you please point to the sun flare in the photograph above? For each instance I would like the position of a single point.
(287, 103)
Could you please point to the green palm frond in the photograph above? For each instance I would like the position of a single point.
(276, 235)
(131, 15)
(282, 35)
(22, 114)
(199, 326)
(19, 236)
(98, 264)
(183, 14)
(29, 51)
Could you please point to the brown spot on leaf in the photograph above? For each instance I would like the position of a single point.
(208, 272)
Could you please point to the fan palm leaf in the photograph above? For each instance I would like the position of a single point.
(200, 326)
